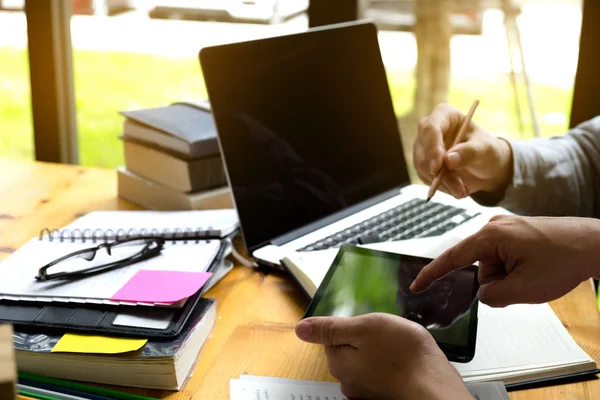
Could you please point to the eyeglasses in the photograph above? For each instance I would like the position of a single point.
(128, 251)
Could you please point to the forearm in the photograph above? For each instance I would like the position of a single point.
(554, 177)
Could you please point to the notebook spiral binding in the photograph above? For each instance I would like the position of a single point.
(99, 235)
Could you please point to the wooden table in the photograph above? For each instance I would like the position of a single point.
(254, 333)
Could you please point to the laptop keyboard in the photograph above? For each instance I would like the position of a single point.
(411, 220)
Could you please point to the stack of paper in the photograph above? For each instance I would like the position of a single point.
(179, 271)
(264, 388)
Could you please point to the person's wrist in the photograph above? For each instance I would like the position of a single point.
(504, 171)
(430, 386)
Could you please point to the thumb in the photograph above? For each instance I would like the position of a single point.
(463, 154)
(328, 331)
(498, 293)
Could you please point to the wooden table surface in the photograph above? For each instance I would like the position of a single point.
(257, 311)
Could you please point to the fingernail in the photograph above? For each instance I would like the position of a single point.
(433, 167)
(412, 287)
(303, 330)
(453, 159)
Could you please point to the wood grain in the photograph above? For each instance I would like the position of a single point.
(254, 333)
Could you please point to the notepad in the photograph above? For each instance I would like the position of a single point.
(179, 271)
(17, 275)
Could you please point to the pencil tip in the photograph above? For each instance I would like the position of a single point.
(429, 198)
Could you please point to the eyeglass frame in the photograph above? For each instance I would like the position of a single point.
(144, 254)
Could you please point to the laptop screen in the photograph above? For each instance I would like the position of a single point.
(306, 126)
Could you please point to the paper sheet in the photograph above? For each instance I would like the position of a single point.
(265, 390)
(250, 387)
(161, 286)
(145, 317)
(72, 343)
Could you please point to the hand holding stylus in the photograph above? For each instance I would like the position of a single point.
(477, 162)
(459, 137)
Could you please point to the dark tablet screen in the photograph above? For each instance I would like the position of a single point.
(362, 281)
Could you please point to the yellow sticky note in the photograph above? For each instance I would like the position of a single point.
(72, 343)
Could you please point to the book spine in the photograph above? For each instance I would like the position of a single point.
(207, 174)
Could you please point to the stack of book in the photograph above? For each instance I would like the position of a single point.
(140, 324)
(172, 159)
(159, 364)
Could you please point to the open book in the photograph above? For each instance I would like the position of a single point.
(516, 345)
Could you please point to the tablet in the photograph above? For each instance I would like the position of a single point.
(362, 281)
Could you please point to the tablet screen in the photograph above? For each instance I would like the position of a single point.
(362, 281)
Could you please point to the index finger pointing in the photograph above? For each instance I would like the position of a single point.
(476, 247)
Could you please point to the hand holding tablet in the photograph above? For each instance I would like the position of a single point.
(362, 281)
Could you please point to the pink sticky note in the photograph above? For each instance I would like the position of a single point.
(161, 286)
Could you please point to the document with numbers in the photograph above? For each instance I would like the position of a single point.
(250, 387)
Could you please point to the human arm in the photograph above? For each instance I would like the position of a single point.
(382, 356)
(558, 176)
(523, 259)
(553, 177)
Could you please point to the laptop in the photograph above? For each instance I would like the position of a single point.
(312, 148)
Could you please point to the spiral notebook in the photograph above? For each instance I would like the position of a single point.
(178, 272)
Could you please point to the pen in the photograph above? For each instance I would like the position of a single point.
(437, 181)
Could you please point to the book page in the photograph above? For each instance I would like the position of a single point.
(520, 337)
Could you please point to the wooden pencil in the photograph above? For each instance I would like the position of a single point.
(437, 181)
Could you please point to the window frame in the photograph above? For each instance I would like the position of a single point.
(51, 77)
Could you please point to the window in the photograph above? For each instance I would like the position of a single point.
(149, 58)
(479, 63)
(16, 132)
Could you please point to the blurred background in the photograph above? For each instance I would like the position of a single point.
(518, 57)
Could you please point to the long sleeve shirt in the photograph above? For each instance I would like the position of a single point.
(554, 177)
